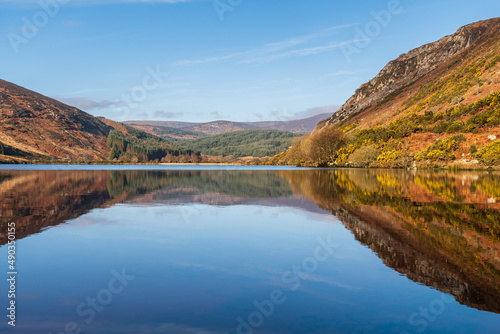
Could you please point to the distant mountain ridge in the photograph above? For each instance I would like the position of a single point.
(305, 125)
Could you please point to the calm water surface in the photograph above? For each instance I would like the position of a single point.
(251, 250)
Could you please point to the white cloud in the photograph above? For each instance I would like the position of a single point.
(273, 51)
(293, 53)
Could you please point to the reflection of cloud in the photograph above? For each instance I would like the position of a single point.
(28, 297)
(34, 325)
(88, 220)
(166, 328)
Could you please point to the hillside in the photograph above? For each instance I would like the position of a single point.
(256, 143)
(437, 104)
(35, 126)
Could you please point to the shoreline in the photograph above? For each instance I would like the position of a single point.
(450, 167)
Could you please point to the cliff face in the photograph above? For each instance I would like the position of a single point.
(413, 69)
(36, 124)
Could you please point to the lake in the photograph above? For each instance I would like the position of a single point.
(157, 249)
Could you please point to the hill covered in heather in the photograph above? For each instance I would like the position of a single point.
(33, 126)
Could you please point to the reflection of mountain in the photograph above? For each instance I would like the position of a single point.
(434, 228)
(35, 200)
(439, 229)
(39, 199)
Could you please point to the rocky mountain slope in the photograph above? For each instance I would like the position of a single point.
(437, 105)
(38, 126)
(411, 70)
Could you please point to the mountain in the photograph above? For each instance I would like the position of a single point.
(35, 126)
(194, 130)
(409, 72)
(166, 124)
(436, 105)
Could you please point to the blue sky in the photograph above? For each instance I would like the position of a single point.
(202, 60)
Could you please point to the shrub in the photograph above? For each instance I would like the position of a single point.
(364, 156)
(473, 149)
(442, 149)
(390, 156)
(490, 154)
(456, 126)
(324, 145)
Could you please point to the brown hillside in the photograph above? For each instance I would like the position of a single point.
(37, 124)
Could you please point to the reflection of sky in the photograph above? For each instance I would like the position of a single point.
(198, 268)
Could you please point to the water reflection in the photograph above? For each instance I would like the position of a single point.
(439, 229)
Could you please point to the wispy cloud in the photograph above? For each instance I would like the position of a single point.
(278, 50)
(296, 53)
(168, 115)
(208, 60)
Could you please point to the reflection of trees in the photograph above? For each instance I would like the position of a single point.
(437, 228)
(244, 184)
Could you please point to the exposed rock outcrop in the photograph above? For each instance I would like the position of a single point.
(428, 60)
